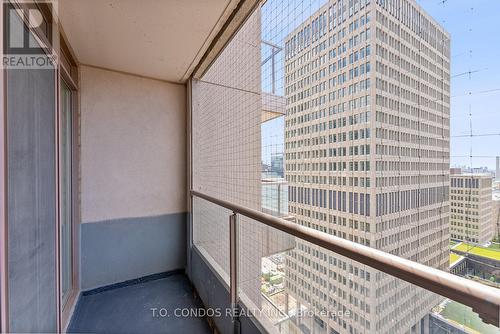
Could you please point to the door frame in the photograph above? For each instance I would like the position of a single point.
(68, 73)
(4, 318)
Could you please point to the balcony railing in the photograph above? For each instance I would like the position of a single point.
(482, 299)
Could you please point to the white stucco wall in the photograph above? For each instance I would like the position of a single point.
(133, 146)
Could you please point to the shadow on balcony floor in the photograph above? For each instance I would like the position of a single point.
(128, 309)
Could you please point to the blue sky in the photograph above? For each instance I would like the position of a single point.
(474, 26)
(475, 34)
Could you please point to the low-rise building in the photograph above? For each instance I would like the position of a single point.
(471, 217)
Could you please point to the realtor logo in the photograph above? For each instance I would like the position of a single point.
(27, 35)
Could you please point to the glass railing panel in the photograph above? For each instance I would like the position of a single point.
(211, 234)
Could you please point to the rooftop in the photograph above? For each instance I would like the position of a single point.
(454, 258)
(479, 175)
(487, 252)
(465, 318)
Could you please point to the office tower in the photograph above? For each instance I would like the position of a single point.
(497, 175)
(367, 139)
(471, 218)
(277, 164)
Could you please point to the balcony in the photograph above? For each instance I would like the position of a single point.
(140, 306)
(150, 187)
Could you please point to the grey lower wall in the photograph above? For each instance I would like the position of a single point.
(117, 250)
(31, 204)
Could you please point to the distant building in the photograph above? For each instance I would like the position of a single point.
(471, 217)
(475, 170)
(497, 175)
(277, 164)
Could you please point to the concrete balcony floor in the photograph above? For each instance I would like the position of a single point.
(128, 309)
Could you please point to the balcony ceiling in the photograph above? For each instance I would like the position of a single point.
(162, 39)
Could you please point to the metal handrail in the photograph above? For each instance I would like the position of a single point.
(484, 300)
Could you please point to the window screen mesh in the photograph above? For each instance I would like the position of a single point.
(339, 116)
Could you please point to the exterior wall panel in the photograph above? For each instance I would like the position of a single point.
(226, 163)
(133, 137)
(133, 177)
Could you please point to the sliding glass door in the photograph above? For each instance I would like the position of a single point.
(66, 232)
